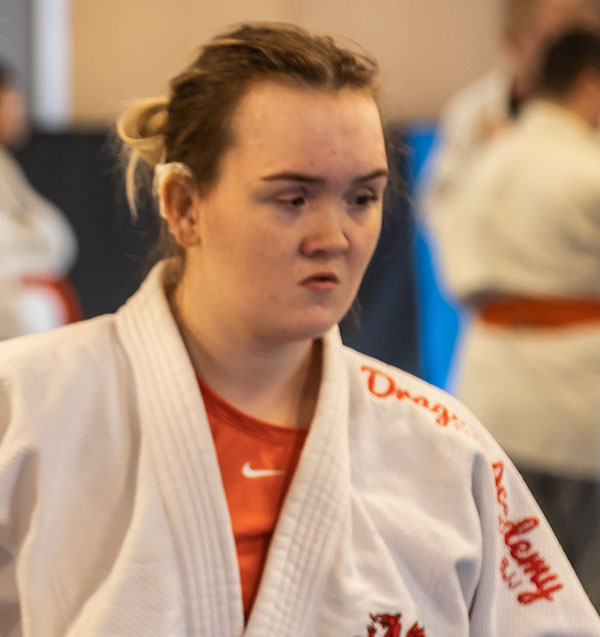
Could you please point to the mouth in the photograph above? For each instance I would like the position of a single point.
(321, 282)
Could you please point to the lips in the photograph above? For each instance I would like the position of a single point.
(321, 282)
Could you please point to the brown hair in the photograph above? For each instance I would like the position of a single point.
(566, 59)
(193, 125)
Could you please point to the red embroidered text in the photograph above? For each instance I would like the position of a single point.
(522, 552)
(383, 386)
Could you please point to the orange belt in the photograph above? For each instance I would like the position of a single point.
(514, 311)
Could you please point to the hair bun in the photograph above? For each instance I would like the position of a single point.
(142, 127)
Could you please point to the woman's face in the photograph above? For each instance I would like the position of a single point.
(287, 232)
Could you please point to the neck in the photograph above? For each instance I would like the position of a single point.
(578, 108)
(277, 383)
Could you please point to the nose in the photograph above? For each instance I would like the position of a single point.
(326, 234)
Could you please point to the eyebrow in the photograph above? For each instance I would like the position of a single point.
(313, 179)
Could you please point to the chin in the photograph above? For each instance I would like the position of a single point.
(309, 327)
(298, 333)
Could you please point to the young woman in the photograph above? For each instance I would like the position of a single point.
(211, 460)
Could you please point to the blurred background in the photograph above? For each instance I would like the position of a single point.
(79, 63)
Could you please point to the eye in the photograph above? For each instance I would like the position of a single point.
(363, 199)
(292, 200)
(297, 201)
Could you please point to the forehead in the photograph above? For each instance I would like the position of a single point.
(275, 121)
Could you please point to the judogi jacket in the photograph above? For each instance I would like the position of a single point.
(527, 224)
(404, 518)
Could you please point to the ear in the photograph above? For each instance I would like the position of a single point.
(180, 206)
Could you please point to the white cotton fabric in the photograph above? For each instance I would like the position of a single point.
(35, 240)
(35, 237)
(461, 139)
(527, 223)
(113, 519)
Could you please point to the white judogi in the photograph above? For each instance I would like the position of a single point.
(528, 223)
(113, 519)
(459, 141)
(461, 137)
(35, 240)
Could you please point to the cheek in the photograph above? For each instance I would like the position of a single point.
(224, 233)
(262, 257)
(269, 242)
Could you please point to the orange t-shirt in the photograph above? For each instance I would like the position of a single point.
(257, 461)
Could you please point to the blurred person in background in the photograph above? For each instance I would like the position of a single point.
(37, 244)
(473, 120)
(211, 459)
(525, 258)
(488, 106)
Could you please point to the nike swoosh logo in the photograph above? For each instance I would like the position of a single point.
(249, 472)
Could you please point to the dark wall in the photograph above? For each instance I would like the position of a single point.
(81, 175)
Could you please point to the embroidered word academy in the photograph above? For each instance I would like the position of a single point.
(527, 559)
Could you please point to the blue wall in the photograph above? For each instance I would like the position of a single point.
(440, 316)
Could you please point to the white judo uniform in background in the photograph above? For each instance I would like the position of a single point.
(528, 224)
(462, 136)
(404, 517)
(35, 240)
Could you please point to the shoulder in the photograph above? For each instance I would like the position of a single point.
(503, 155)
(85, 339)
(411, 440)
(561, 141)
(586, 158)
(62, 365)
(406, 399)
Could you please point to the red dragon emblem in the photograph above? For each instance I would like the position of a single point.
(386, 625)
